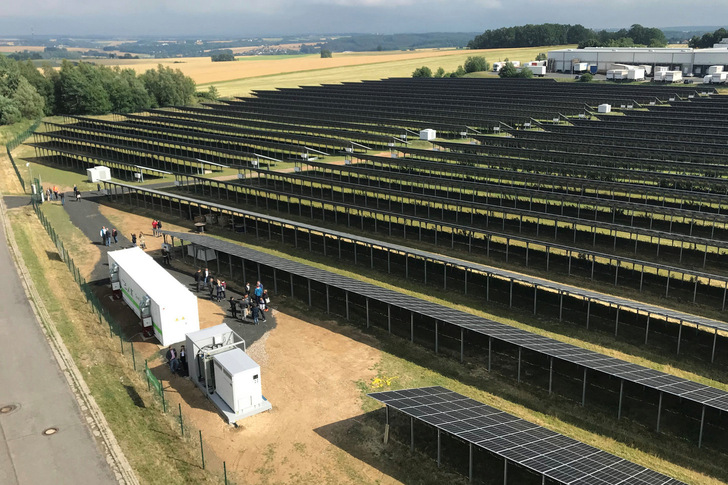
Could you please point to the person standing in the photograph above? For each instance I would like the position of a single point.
(206, 275)
(223, 288)
(183, 361)
(172, 358)
(75, 190)
(154, 228)
(133, 239)
(102, 233)
(198, 279)
(108, 237)
(78, 196)
(234, 307)
(266, 300)
(115, 235)
(212, 287)
(258, 290)
(142, 242)
(159, 228)
(262, 308)
(256, 312)
(63, 198)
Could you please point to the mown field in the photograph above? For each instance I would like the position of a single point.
(267, 72)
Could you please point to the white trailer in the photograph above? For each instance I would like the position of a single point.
(165, 306)
(715, 69)
(673, 76)
(539, 71)
(580, 66)
(637, 74)
(497, 66)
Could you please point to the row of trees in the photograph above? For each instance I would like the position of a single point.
(557, 34)
(83, 88)
(707, 40)
(471, 64)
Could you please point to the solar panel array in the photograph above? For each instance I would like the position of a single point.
(538, 449)
(659, 381)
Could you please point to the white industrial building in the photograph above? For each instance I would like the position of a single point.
(688, 61)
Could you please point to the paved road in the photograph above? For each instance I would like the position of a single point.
(31, 380)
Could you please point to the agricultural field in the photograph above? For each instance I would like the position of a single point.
(267, 72)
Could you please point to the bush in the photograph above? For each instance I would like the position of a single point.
(476, 64)
(586, 77)
(325, 53)
(423, 71)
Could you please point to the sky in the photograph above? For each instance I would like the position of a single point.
(244, 18)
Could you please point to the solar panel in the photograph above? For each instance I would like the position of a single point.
(588, 359)
(541, 450)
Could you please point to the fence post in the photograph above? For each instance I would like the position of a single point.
(121, 342)
(202, 451)
(146, 374)
(133, 357)
(164, 403)
(224, 470)
(181, 424)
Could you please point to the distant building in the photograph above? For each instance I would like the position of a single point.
(689, 61)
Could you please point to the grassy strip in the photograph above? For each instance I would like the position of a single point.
(150, 443)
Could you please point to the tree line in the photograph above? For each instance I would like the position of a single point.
(471, 64)
(86, 89)
(531, 35)
(707, 40)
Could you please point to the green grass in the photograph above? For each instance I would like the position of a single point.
(149, 442)
(8, 132)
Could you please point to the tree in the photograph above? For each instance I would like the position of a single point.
(508, 70)
(9, 112)
(423, 71)
(476, 64)
(325, 53)
(541, 56)
(586, 77)
(223, 57)
(439, 73)
(168, 87)
(80, 90)
(28, 101)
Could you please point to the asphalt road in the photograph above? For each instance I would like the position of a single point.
(32, 382)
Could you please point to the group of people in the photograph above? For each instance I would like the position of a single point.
(206, 280)
(156, 228)
(177, 360)
(107, 235)
(253, 304)
(134, 239)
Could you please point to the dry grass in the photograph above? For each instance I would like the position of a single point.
(265, 72)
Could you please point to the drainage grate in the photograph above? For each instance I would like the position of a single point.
(9, 408)
(50, 431)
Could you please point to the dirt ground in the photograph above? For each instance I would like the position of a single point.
(309, 374)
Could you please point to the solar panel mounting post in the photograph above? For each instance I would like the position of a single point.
(621, 394)
(659, 412)
(518, 375)
(583, 390)
(702, 422)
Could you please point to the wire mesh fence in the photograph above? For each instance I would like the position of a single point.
(14, 143)
(170, 404)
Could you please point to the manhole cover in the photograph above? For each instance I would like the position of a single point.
(8, 409)
(50, 431)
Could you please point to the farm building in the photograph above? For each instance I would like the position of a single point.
(689, 61)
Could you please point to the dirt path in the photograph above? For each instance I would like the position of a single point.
(309, 373)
